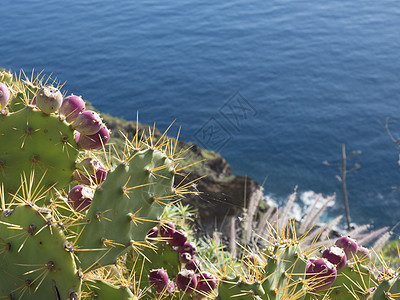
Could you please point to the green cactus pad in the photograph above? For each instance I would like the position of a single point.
(103, 290)
(236, 288)
(31, 140)
(388, 289)
(126, 207)
(35, 262)
(159, 255)
(285, 272)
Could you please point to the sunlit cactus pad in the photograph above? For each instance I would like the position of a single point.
(31, 140)
(35, 261)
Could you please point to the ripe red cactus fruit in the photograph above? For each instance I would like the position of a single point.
(71, 107)
(178, 238)
(185, 257)
(186, 281)
(194, 265)
(206, 283)
(336, 256)
(89, 171)
(160, 281)
(4, 95)
(49, 99)
(153, 233)
(348, 245)
(32, 102)
(363, 254)
(167, 229)
(320, 273)
(188, 247)
(77, 135)
(252, 260)
(80, 197)
(92, 142)
(386, 274)
(88, 122)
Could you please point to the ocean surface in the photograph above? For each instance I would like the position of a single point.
(274, 86)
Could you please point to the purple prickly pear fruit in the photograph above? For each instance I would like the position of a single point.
(185, 257)
(171, 287)
(336, 256)
(320, 274)
(153, 233)
(206, 283)
(80, 178)
(4, 95)
(194, 265)
(87, 122)
(348, 245)
(95, 141)
(89, 171)
(186, 281)
(88, 165)
(77, 135)
(32, 101)
(386, 274)
(71, 107)
(167, 229)
(252, 260)
(178, 238)
(80, 197)
(363, 254)
(160, 281)
(96, 179)
(100, 175)
(188, 247)
(49, 99)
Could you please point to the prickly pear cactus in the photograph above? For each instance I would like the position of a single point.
(51, 249)
(31, 140)
(35, 260)
(126, 207)
(231, 288)
(286, 269)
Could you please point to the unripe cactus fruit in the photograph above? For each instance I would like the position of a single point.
(206, 283)
(4, 95)
(5, 76)
(92, 142)
(88, 122)
(336, 256)
(71, 107)
(80, 197)
(49, 99)
(167, 229)
(178, 238)
(160, 281)
(321, 274)
(348, 245)
(186, 281)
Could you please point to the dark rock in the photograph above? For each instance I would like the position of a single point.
(216, 196)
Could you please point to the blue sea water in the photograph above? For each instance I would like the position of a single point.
(309, 74)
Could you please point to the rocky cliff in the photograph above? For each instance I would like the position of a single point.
(219, 193)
